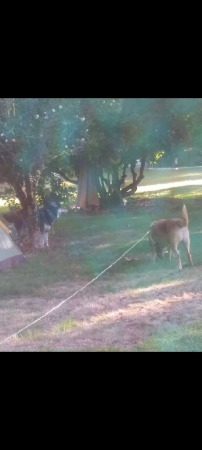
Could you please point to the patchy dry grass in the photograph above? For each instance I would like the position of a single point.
(133, 316)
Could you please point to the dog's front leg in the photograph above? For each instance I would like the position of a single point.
(153, 253)
(153, 249)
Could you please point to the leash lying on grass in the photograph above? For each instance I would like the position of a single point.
(75, 293)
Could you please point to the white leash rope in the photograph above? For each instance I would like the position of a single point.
(73, 295)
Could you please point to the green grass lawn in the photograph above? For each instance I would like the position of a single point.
(158, 176)
(178, 339)
(84, 245)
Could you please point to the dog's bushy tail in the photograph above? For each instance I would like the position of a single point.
(185, 217)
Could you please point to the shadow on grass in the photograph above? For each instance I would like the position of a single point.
(181, 339)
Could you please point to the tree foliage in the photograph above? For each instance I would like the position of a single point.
(41, 138)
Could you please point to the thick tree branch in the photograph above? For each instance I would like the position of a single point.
(20, 193)
(59, 172)
(132, 187)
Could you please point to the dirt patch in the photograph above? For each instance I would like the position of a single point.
(99, 317)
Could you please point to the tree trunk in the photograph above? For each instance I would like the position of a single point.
(30, 226)
(112, 191)
(87, 197)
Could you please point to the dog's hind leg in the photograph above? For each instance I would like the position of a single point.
(187, 245)
(177, 253)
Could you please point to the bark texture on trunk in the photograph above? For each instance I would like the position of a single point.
(87, 197)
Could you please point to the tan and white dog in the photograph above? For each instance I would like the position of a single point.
(168, 233)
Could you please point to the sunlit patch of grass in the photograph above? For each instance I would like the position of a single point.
(187, 193)
(154, 176)
(67, 324)
(181, 193)
(170, 185)
(163, 193)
